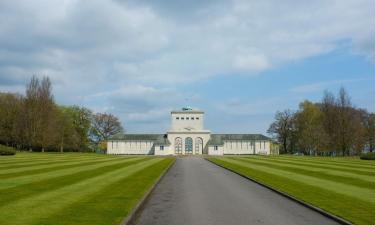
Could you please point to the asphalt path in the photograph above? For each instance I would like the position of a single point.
(197, 192)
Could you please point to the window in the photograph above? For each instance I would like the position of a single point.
(188, 145)
(178, 145)
(182, 118)
(177, 118)
(198, 145)
(216, 147)
(192, 118)
(187, 118)
(197, 118)
(161, 147)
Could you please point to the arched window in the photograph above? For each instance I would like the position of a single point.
(188, 145)
(178, 145)
(198, 145)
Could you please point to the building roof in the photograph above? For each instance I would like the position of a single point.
(218, 139)
(187, 109)
(158, 139)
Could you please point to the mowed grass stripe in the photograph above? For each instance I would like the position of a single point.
(44, 162)
(52, 167)
(336, 175)
(351, 208)
(28, 157)
(327, 162)
(47, 185)
(117, 199)
(15, 169)
(26, 180)
(353, 191)
(356, 171)
(330, 161)
(51, 202)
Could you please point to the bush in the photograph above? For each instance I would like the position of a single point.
(4, 150)
(368, 156)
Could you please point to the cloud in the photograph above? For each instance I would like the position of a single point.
(148, 41)
(139, 53)
(321, 86)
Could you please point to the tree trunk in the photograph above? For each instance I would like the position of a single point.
(42, 149)
(62, 145)
(284, 145)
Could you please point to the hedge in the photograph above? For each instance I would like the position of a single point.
(5, 150)
(368, 156)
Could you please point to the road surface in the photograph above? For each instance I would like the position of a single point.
(197, 192)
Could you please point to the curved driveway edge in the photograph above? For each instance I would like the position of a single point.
(319, 210)
(197, 192)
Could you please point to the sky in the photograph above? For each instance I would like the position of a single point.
(240, 61)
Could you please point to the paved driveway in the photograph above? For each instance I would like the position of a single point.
(197, 192)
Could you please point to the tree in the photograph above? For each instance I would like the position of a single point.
(47, 114)
(105, 126)
(284, 129)
(82, 122)
(9, 113)
(31, 113)
(330, 122)
(66, 133)
(369, 127)
(310, 132)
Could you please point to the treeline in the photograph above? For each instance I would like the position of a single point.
(330, 127)
(35, 122)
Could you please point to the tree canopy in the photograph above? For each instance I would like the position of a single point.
(36, 123)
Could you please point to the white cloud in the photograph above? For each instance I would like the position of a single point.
(135, 53)
(321, 86)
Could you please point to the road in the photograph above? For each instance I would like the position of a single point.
(197, 192)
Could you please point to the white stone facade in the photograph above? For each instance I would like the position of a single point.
(187, 136)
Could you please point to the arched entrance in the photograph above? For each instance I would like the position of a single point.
(178, 145)
(188, 145)
(198, 145)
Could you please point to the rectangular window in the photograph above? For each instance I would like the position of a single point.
(192, 118)
(161, 147)
(216, 148)
(187, 118)
(182, 118)
(177, 118)
(197, 118)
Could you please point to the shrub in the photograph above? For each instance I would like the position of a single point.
(368, 156)
(4, 150)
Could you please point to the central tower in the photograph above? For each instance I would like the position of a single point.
(187, 134)
(187, 120)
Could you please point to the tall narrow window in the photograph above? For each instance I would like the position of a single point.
(178, 145)
(198, 145)
(188, 145)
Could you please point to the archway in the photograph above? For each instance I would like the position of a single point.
(188, 145)
(178, 145)
(198, 145)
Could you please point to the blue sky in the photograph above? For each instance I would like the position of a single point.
(240, 61)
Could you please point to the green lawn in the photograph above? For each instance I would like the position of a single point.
(74, 188)
(343, 186)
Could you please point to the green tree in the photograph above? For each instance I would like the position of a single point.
(10, 110)
(310, 132)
